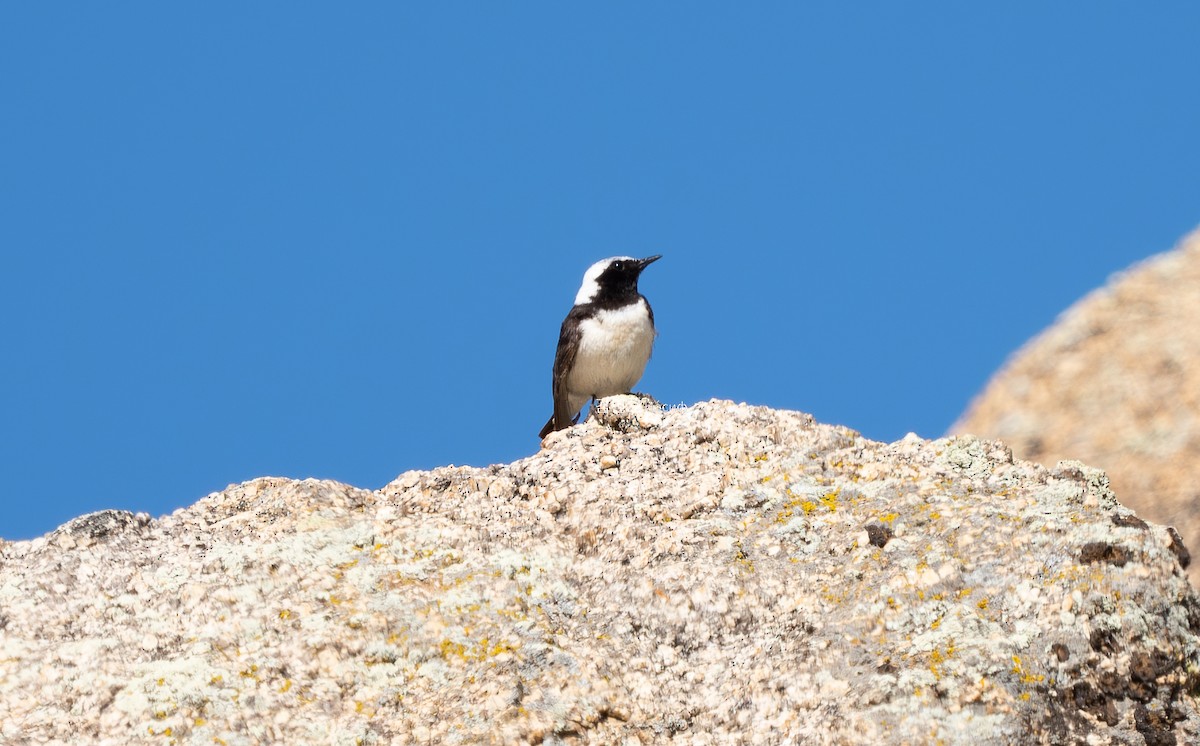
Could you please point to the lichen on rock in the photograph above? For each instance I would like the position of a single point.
(717, 573)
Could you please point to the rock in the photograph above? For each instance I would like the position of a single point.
(712, 574)
(1115, 382)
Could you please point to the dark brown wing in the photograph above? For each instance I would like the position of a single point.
(564, 358)
(650, 311)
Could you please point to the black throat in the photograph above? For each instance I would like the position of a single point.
(617, 287)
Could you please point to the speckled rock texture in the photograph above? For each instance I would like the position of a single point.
(715, 574)
(1115, 382)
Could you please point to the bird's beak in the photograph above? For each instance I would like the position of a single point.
(643, 263)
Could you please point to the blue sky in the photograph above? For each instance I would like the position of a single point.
(337, 240)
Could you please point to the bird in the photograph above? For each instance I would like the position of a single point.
(605, 340)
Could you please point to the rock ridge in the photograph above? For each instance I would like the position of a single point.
(1115, 381)
(719, 573)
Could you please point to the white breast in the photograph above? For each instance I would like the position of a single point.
(614, 347)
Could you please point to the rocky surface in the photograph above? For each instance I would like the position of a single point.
(705, 575)
(1115, 382)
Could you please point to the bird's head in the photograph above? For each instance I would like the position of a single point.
(615, 277)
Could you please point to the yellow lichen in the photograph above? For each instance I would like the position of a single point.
(742, 559)
(449, 647)
(1024, 676)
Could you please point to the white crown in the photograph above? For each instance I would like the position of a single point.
(589, 288)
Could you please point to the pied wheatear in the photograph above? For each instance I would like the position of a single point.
(605, 340)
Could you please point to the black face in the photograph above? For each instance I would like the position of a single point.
(618, 282)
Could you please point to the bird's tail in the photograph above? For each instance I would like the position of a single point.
(560, 420)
